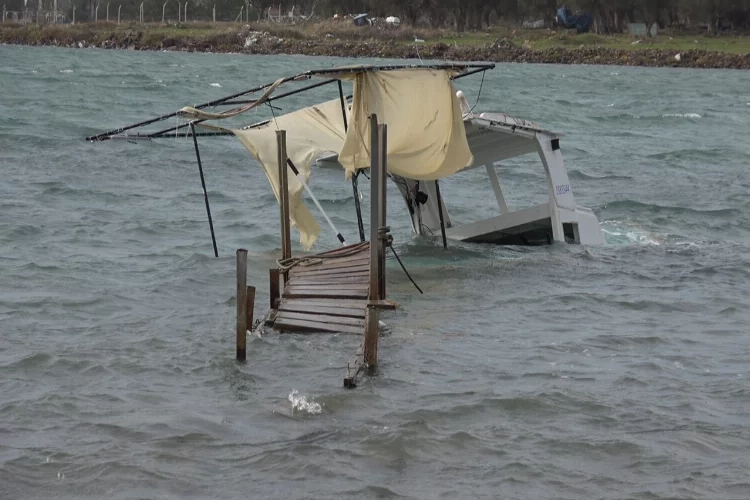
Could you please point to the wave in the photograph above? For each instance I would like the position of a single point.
(653, 208)
(578, 175)
(693, 116)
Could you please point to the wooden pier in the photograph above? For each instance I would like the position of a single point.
(341, 290)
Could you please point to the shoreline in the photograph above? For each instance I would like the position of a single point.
(246, 41)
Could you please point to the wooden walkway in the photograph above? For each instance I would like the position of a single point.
(327, 292)
(342, 290)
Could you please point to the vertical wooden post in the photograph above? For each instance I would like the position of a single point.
(242, 301)
(250, 307)
(273, 280)
(371, 314)
(286, 242)
(382, 188)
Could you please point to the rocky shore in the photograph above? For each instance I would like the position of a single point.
(255, 42)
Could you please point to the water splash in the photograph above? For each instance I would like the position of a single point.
(301, 404)
(693, 116)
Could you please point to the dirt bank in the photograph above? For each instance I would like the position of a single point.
(260, 42)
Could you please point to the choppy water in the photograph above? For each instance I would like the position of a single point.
(557, 372)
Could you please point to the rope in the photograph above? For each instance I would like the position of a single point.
(404, 268)
(311, 260)
(479, 94)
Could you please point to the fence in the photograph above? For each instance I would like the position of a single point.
(111, 12)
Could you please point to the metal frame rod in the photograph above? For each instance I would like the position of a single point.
(270, 99)
(440, 213)
(162, 133)
(104, 135)
(343, 105)
(315, 200)
(476, 68)
(394, 67)
(285, 94)
(355, 182)
(472, 72)
(205, 194)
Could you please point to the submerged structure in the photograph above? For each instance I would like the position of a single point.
(433, 135)
(404, 123)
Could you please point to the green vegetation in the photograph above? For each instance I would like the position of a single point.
(154, 34)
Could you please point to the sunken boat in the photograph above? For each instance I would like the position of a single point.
(434, 136)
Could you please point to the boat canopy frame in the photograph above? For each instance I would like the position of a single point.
(459, 69)
(462, 69)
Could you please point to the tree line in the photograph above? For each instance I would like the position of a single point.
(610, 16)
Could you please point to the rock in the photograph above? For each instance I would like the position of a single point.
(678, 57)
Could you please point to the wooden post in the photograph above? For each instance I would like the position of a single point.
(250, 307)
(371, 314)
(273, 281)
(382, 187)
(286, 242)
(242, 301)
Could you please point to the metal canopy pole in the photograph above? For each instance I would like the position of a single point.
(205, 194)
(440, 213)
(355, 183)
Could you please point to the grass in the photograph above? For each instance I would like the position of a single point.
(345, 31)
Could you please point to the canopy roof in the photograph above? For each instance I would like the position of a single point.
(418, 103)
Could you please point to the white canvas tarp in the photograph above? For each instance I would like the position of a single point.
(426, 135)
(309, 132)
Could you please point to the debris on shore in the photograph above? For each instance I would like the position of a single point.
(262, 42)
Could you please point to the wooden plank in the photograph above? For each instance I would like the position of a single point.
(359, 269)
(340, 303)
(315, 262)
(318, 318)
(308, 293)
(387, 305)
(327, 266)
(359, 273)
(329, 311)
(363, 245)
(332, 286)
(342, 279)
(300, 325)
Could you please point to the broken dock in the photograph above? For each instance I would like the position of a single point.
(338, 291)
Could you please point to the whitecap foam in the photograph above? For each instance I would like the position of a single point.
(66, 71)
(301, 404)
(618, 232)
(217, 85)
(692, 116)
